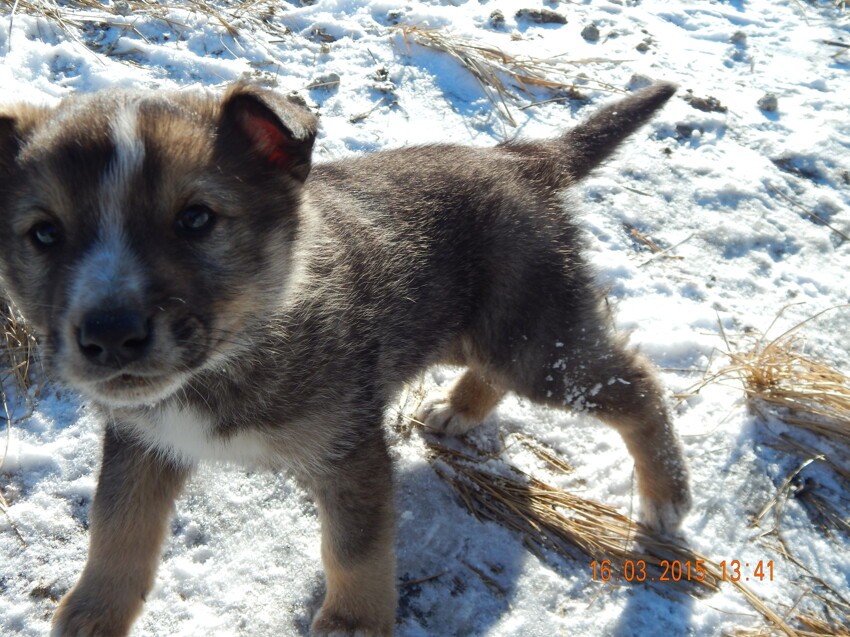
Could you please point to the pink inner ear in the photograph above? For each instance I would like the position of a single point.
(268, 139)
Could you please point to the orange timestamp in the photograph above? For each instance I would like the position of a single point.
(681, 570)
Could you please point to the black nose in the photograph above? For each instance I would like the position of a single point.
(114, 337)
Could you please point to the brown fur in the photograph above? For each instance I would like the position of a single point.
(218, 297)
(124, 546)
(470, 400)
(474, 396)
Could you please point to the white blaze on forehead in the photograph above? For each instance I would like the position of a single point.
(109, 272)
(127, 160)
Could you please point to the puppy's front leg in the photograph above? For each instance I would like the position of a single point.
(129, 517)
(358, 532)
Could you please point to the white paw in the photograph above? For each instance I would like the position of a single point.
(665, 516)
(436, 413)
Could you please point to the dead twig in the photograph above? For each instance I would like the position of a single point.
(666, 252)
(804, 210)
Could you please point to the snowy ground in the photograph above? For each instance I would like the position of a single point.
(243, 558)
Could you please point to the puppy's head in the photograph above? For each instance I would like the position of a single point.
(140, 233)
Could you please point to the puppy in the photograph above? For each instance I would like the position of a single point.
(218, 297)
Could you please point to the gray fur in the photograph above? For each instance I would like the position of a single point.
(282, 334)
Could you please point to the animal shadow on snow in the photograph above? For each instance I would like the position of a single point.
(459, 577)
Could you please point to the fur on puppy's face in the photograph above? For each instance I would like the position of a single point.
(138, 234)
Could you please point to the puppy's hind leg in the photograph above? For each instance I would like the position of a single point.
(631, 401)
(596, 373)
(463, 407)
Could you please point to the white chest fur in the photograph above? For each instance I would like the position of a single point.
(186, 436)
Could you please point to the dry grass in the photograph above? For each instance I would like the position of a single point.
(816, 626)
(640, 237)
(838, 17)
(810, 627)
(501, 74)
(828, 515)
(73, 17)
(813, 399)
(834, 623)
(17, 356)
(548, 518)
(804, 210)
(802, 391)
(76, 14)
(779, 377)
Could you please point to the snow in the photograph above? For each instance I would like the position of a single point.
(714, 187)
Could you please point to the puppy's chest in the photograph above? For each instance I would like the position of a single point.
(188, 436)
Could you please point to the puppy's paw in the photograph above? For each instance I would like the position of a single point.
(81, 620)
(665, 516)
(85, 612)
(438, 414)
(329, 623)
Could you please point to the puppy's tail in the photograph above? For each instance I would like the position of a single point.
(569, 158)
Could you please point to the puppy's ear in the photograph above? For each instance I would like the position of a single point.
(272, 127)
(16, 125)
(9, 143)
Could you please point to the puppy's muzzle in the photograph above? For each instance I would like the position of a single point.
(115, 337)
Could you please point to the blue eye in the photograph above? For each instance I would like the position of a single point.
(45, 234)
(195, 221)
